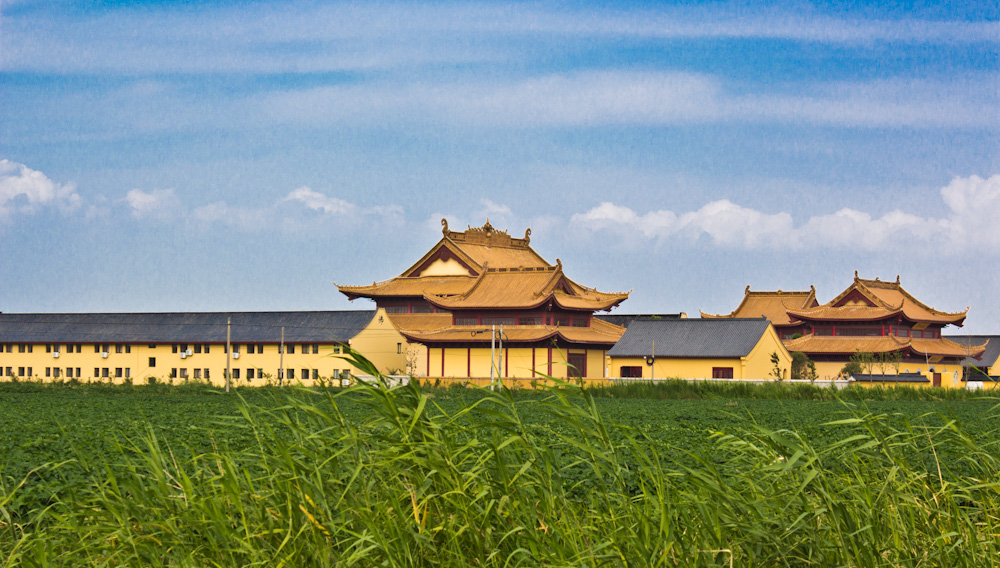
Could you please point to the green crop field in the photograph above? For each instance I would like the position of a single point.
(94, 475)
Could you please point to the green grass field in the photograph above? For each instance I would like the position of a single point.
(188, 476)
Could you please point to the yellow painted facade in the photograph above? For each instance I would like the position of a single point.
(951, 374)
(251, 364)
(756, 365)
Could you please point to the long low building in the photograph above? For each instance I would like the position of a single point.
(178, 347)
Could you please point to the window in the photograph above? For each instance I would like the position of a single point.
(20, 371)
(529, 320)
(467, 321)
(10, 371)
(291, 374)
(206, 373)
(152, 361)
(152, 346)
(580, 321)
(197, 349)
(561, 320)
(336, 373)
(250, 349)
(823, 330)
(236, 347)
(128, 372)
(128, 348)
(184, 347)
(207, 348)
(498, 321)
(48, 371)
(236, 374)
(632, 371)
(305, 374)
(722, 372)
(902, 332)
(399, 348)
(78, 374)
(30, 373)
(119, 348)
(197, 373)
(105, 373)
(315, 348)
(119, 373)
(250, 374)
(174, 347)
(315, 374)
(69, 372)
(57, 372)
(48, 348)
(291, 348)
(336, 349)
(97, 372)
(395, 309)
(173, 373)
(183, 373)
(97, 348)
(21, 348)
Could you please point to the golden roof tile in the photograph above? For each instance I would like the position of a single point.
(892, 295)
(771, 305)
(848, 345)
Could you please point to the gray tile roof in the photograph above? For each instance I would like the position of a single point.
(184, 327)
(989, 357)
(731, 337)
(900, 378)
(624, 320)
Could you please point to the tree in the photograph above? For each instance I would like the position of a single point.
(851, 369)
(776, 369)
(865, 360)
(800, 365)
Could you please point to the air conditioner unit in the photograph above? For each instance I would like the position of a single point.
(104, 354)
(236, 354)
(189, 352)
(55, 354)
(184, 354)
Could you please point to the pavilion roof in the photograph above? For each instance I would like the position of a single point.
(437, 328)
(493, 271)
(848, 345)
(773, 305)
(890, 297)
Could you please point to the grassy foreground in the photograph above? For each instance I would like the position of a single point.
(410, 483)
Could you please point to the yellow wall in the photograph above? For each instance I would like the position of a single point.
(169, 365)
(756, 365)
(384, 346)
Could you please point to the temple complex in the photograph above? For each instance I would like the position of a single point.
(478, 289)
(870, 317)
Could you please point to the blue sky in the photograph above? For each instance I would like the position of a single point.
(166, 156)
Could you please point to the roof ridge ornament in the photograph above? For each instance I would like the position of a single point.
(444, 225)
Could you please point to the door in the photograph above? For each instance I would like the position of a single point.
(937, 379)
(578, 365)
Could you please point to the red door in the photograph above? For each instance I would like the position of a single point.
(578, 365)
(937, 379)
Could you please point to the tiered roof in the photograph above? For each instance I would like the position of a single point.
(873, 300)
(848, 345)
(437, 328)
(773, 306)
(486, 269)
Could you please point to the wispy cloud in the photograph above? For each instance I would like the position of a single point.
(159, 204)
(315, 37)
(973, 204)
(319, 202)
(602, 98)
(24, 190)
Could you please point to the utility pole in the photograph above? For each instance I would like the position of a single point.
(281, 357)
(500, 372)
(493, 354)
(229, 350)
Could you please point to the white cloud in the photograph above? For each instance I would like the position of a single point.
(319, 202)
(159, 204)
(973, 204)
(242, 218)
(25, 190)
